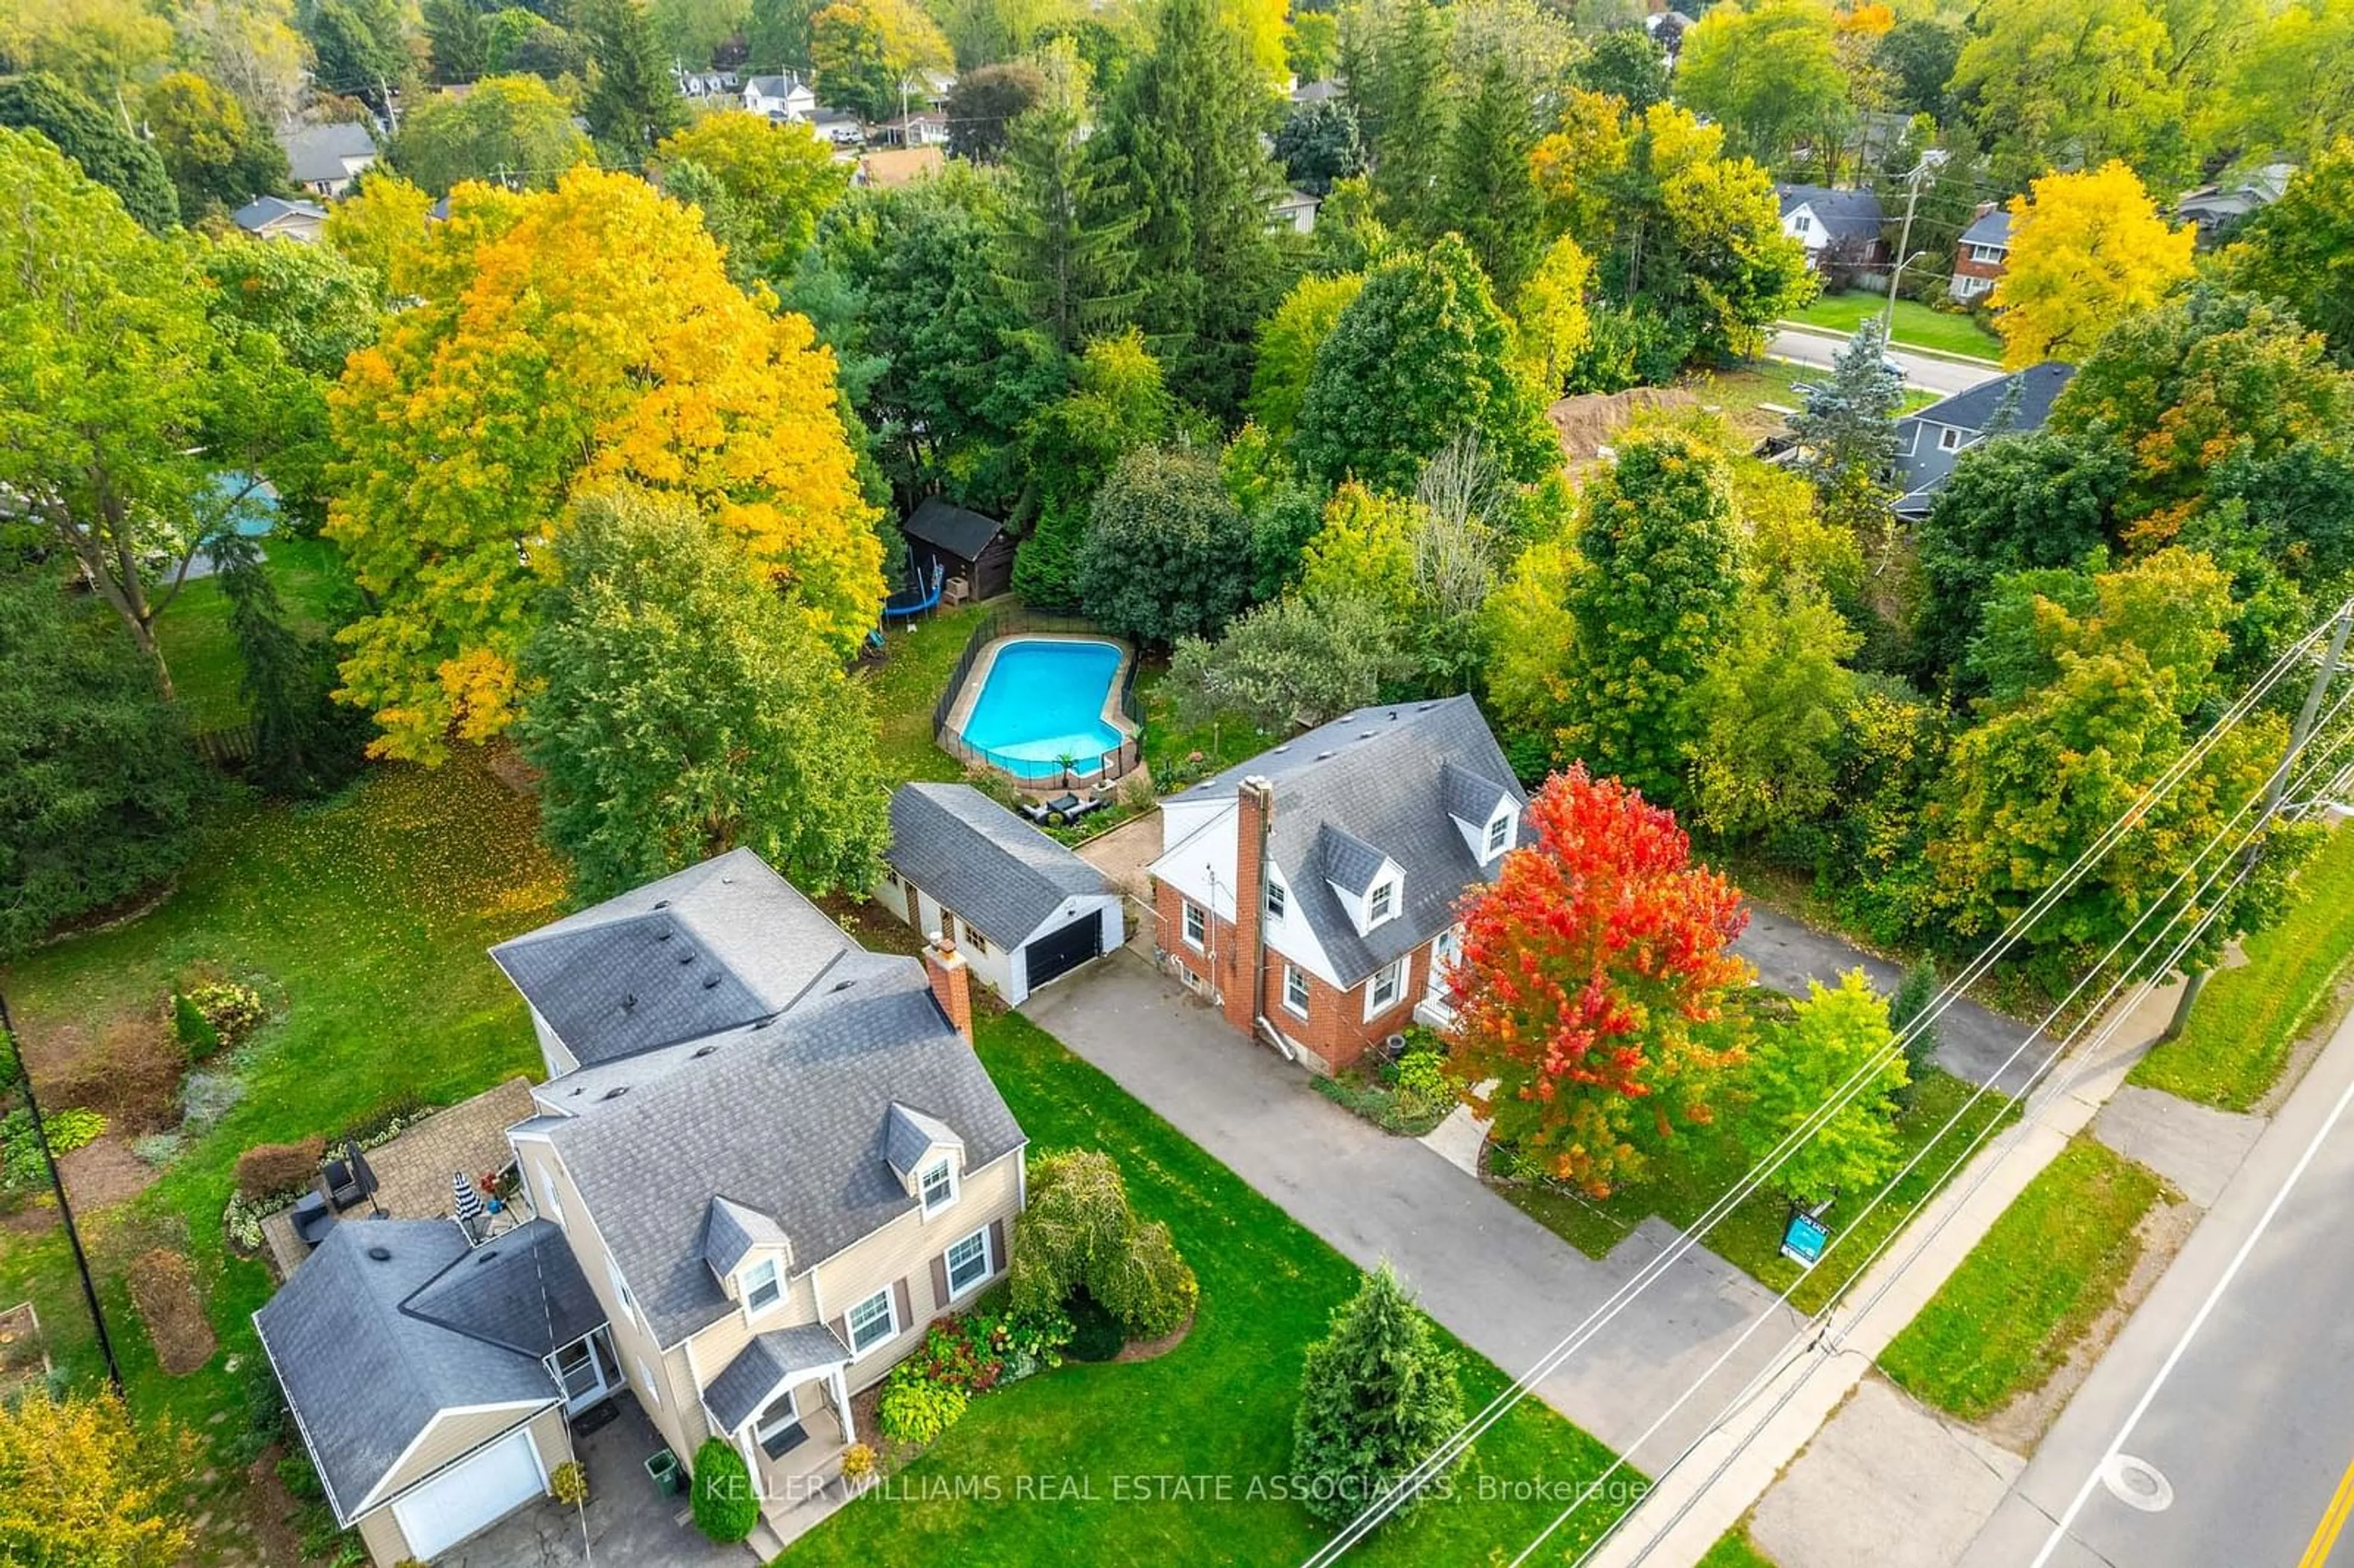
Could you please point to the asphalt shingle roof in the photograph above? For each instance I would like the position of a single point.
(978, 859)
(712, 947)
(363, 1376)
(264, 210)
(1990, 228)
(521, 1291)
(316, 153)
(1347, 860)
(730, 1230)
(1844, 214)
(1973, 408)
(952, 529)
(736, 1395)
(907, 1134)
(788, 1118)
(1378, 774)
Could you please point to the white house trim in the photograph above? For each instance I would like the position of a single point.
(373, 1501)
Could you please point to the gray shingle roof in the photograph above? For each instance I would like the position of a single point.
(1973, 408)
(1347, 860)
(909, 1134)
(262, 211)
(1468, 796)
(983, 862)
(316, 153)
(521, 1291)
(1844, 214)
(1990, 228)
(1377, 774)
(952, 529)
(730, 1230)
(712, 947)
(736, 1395)
(363, 1377)
(822, 1079)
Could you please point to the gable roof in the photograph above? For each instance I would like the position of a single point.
(1990, 228)
(736, 1395)
(1377, 777)
(1470, 797)
(522, 1291)
(978, 859)
(321, 153)
(262, 211)
(823, 1076)
(1350, 862)
(706, 949)
(1974, 408)
(908, 1135)
(952, 529)
(338, 1326)
(730, 1231)
(1844, 214)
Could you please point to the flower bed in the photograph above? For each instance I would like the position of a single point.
(962, 1356)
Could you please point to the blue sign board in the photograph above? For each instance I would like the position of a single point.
(1803, 1240)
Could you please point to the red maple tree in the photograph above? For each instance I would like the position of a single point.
(1591, 974)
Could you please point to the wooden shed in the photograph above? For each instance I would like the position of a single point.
(967, 544)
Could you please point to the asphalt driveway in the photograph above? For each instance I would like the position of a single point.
(1500, 1281)
(1971, 1041)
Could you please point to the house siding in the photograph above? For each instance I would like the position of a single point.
(995, 967)
(451, 1437)
(380, 1529)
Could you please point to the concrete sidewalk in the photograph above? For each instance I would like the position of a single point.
(1503, 1284)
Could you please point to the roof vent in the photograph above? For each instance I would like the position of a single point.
(379, 1253)
(711, 981)
(700, 1052)
(488, 1254)
(615, 1093)
(665, 934)
(1425, 707)
(629, 1001)
(840, 986)
(764, 1023)
(1281, 750)
(1369, 734)
(661, 903)
(687, 955)
(1322, 755)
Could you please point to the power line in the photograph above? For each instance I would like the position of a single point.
(1601, 1316)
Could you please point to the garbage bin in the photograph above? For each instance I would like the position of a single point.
(668, 1475)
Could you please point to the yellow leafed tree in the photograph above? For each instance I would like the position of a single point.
(2087, 250)
(80, 1484)
(562, 340)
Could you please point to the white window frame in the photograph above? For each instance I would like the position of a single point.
(860, 1343)
(1802, 223)
(1194, 925)
(763, 1274)
(1499, 835)
(646, 1383)
(1375, 914)
(547, 1190)
(945, 1163)
(987, 1264)
(1273, 900)
(1949, 440)
(1391, 975)
(621, 1288)
(1987, 255)
(1446, 952)
(763, 1430)
(1294, 977)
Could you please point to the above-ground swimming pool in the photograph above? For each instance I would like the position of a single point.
(1043, 699)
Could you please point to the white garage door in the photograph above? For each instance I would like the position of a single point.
(461, 1500)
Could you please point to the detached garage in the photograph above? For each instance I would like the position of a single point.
(1022, 909)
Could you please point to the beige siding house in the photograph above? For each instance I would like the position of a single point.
(764, 1161)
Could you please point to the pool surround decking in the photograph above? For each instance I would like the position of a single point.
(976, 680)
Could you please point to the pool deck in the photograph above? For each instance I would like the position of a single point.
(977, 678)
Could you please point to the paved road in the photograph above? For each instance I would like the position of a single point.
(2253, 1428)
(1943, 377)
(1500, 1281)
(1971, 1041)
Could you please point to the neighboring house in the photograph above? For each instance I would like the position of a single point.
(1311, 893)
(704, 86)
(1839, 227)
(1295, 210)
(326, 160)
(764, 1160)
(275, 218)
(2214, 211)
(921, 128)
(785, 96)
(1022, 909)
(964, 543)
(838, 126)
(1930, 441)
(1982, 254)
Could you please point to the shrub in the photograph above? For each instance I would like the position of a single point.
(1378, 1393)
(1148, 1286)
(1422, 1078)
(268, 1169)
(916, 1410)
(156, 1150)
(234, 1010)
(205, 1097)
(568, 1484)
(1079, 1234)
(1095, 1334)
(726, 1506)
(197, 1035)
(1168, 554)
(74, 1129)
(300, 1482)
(857, 1463)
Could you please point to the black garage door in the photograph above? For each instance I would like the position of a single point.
(1060, 952)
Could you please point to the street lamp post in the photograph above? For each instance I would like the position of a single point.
(1888, 314)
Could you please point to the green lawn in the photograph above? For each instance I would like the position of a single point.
(1744, 390)
(309, 578)
(364, 922)
(1171, 746)
(1217, 1409)
(2003, 1323)
(2249, 1018)
(908, 681)
(1705, 1166)
(1914, 325)
(1735, 1550)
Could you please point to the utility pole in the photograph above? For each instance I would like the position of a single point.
(65, 1205)
(391, 115)
(1903, 240)
(2196, 982)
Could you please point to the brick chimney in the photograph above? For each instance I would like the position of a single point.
(1246, 958)
(952, 982)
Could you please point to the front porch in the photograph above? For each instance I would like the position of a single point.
(784, 1402)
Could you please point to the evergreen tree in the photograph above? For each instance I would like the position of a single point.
(1186, 123)
(1393, 58)
(305, 742)
(1320, 143)
(1066, 250)
(1118, 403)
(361, 47)
(1377, 1397)
(1846, 432)
(1628, 66)
(633, 102)
(97, 142)
(460, 38)
(1484, 185)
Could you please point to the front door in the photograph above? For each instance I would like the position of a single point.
(581, 1372)
(778, 1428)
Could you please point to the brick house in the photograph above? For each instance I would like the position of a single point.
(1982, 255)
(1311, 893)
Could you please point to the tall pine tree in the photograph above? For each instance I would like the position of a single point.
(305, 742)
(1185, 123)
(1846, 432)
(1393, 58)
(1067, 249)
(633, 102)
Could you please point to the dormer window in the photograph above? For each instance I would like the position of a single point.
(762, 1288)
(1276, 901)
(939, 1187)
(1499, 835)
(1381, 903)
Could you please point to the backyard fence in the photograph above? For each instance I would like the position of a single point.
(230, 746)
(1075, 772)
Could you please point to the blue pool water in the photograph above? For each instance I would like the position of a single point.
(1043, 701)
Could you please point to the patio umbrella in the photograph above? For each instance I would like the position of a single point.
(470, 1203)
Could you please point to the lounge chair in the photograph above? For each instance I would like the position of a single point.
(1035, 812)
(350, 1182)
(312, 1218)
(1079, 809)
